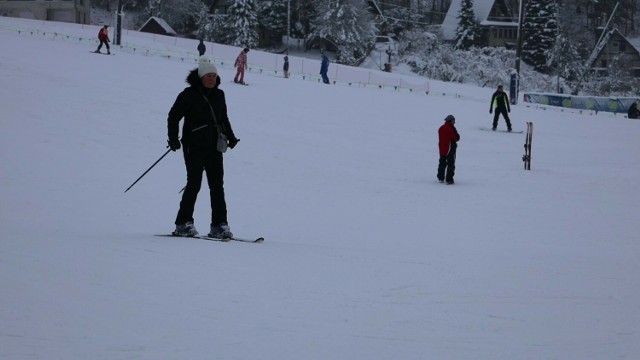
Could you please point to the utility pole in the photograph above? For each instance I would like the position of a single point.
(559, 67)
(118, 36)
(288, 24)
(514, 99)
(602, 42)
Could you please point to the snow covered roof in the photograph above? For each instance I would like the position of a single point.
(635, 42)
(481, 8)
(163, 24)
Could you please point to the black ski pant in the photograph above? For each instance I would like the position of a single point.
(211, 162)
(447, 166)
(505, 114)
(325, 78)
(106, 43)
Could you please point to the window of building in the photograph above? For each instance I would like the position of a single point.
(615, 47)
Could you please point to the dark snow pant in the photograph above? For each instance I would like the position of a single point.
(505, 114)
(447, 167)
(106, 43)
(325, 78)
(195, 162)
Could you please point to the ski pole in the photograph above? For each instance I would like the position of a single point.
(145, 173)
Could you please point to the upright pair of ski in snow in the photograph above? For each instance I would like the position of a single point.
(527, 146)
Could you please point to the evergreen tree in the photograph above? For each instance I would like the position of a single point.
(540, 32)
(272, 17)
(204, 24)
(303, 12)
(217, 29)
(565, 58)
(345, 24)
(468, 33)
(241, 24)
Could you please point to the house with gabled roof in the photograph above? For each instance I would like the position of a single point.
(619, 48)
(156, 25)
(496, 18)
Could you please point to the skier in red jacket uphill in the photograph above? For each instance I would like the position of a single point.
(103, 36)
(448, 143)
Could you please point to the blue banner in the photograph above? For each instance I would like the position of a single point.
(594, 103)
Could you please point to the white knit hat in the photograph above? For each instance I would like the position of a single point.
(206, 66)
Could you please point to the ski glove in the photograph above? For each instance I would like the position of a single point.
(233, 141)
(174, 144)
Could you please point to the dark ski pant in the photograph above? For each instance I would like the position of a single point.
(505, 114)
(325, 78)
(106, 43)
(447, 167)
(211, 162)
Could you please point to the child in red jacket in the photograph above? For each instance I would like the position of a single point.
(448, 143)
(103, 36)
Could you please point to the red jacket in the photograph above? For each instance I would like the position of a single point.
(448, 136)
(103, 34)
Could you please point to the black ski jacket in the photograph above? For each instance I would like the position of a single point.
(500, 100)
(199, 130)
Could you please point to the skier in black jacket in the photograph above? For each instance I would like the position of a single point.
(202, 48)
(198, 104)
(633, 112)
(500, 101)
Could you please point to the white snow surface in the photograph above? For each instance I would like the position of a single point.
(366, 255)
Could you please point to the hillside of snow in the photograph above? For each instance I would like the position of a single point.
(366, 255)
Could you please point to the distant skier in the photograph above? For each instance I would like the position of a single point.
(202, 48)
(285, 67)
(324, 68)
(241, 64)
(633, 112)
(448, 138)
(500, 101)
(103, 36)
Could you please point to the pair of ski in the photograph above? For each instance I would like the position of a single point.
(101, 53)
(203, 237)
(527, 146)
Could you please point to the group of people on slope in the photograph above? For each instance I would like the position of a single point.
(241, 64)
(448, 135)
(203, 107)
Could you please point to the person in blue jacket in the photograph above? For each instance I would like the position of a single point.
(324, 68)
